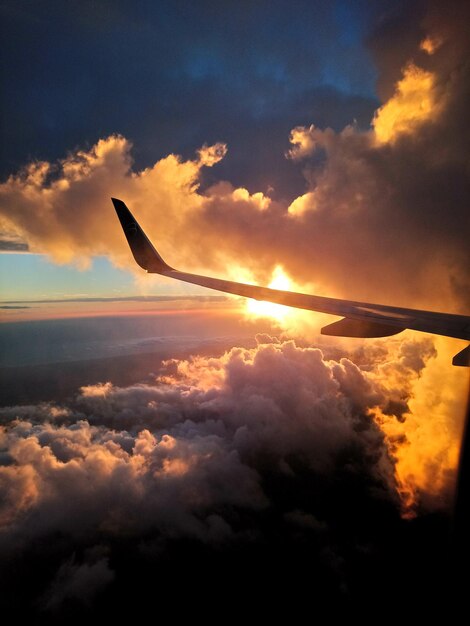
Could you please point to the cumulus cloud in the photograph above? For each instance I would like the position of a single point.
(221, 452)
(67, 213)
(200, 438)
(210, 155)
(303, 142)
(414, 103)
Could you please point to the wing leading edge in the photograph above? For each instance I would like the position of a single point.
(360, 319)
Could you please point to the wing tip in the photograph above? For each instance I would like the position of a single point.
(462, 358)
(142, 249)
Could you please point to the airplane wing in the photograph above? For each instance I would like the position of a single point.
(360, 319)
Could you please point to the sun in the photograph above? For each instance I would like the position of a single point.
(258, 308)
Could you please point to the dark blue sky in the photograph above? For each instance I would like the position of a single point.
(173, 75)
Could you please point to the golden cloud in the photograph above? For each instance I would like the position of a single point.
(414, 102)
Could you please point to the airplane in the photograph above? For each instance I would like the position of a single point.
(360, 319)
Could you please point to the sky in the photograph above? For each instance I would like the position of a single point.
(89, 70)
(159, 436)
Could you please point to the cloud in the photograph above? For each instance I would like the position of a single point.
(414, 103)
(303, 142)
(79, 582)
(223, 454)
(205, 423)
(430, 44)
(210, 155)
(69, 217)
(208, 417)
(7, 245)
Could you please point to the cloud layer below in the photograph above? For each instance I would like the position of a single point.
(206, 452)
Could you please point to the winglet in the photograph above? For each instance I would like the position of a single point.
(462, 358)
(144, 253)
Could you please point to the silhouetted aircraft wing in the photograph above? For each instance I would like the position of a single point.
(360, 319)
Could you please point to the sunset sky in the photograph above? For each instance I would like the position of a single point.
(148, 424)
(87, 71)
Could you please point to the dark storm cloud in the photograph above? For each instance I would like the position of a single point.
(173, 75)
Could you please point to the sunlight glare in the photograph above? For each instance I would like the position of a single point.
(257, 308)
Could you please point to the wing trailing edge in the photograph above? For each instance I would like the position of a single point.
(356, 328)
(361, 319)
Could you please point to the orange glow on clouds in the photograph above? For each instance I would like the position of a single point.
(413, 103)
(426, 444)
(303, 142)
(430, 44)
